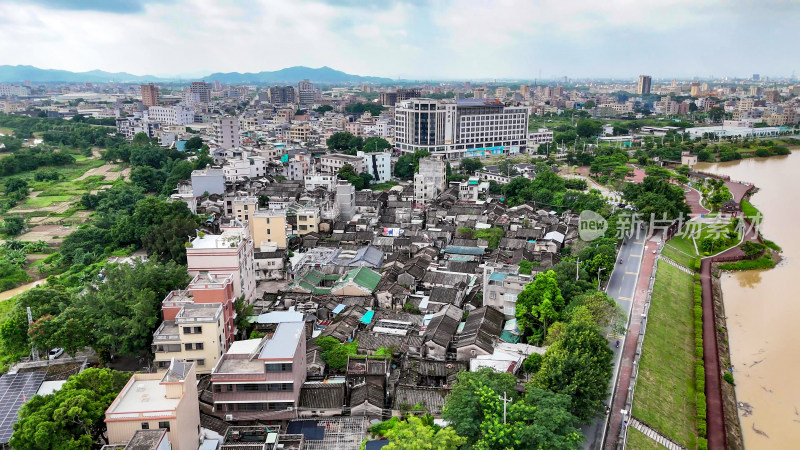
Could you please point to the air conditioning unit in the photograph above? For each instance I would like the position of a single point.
(229, 417)
(291, 408)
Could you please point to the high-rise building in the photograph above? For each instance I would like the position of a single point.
(408, 94)
(479, 92)
(226, 132)
(305, 94)
(756, 77)
(387, 98)
(149, 94)
(695, 92)
(281, 95)
(461, 128)
(525, 91)
(202, 90)
(644, 84)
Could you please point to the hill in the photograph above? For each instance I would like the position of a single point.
(294, 74)
(10, 74)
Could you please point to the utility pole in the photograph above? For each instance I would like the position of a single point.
(577, 268)
(34, 350)
(505, 400)
(598, 277)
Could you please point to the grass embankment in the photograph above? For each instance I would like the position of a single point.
(383, 186)
(748, 210)
(764, 262)
(681, 248)
(636, 440)
(665, 391)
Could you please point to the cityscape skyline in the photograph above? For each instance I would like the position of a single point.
(405, 39)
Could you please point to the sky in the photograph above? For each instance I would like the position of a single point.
(412, 39)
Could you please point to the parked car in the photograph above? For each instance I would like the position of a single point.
(55, 353)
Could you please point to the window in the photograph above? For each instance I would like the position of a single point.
(201, 362)
(145, 426)
(280, 387)
(285, 367)
(164, 425)
(192, 330)
(251, 388)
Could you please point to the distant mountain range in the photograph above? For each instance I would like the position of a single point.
(11, 74)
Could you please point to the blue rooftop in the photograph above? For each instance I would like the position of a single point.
(284, 342)
(367, 318)
(497, 276)
(461, 250)
(339, 308)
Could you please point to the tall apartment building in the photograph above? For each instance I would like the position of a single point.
(281, 95)
(226, 132)
(430, 181)
(170, 115)
(202, 90)
(260, 379)
(196, 334)
(313, 181)
(695, 89)
(305, 94)
(346, 200)
(149, 94)
(408, 94)
(268, 228)
(230, 252)
(151, 401)
(379, 165)
(307, 220)
(387, 98)
(461, 128)
(479, 92)
(643, 87)
(208, 180)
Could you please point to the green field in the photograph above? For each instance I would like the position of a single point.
(680, 250)
(638, 441)
(43, 202)
(665, 390)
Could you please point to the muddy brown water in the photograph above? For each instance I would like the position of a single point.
(763, 308)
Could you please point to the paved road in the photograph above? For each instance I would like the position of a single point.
(621, 286)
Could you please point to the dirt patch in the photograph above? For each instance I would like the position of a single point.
(729, 404)
(52, 234)
(109, 172)
(56, 372)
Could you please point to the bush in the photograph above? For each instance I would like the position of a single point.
(765, 262)
(728, 377)
(702, 444)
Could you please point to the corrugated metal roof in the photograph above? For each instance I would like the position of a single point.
(367, 318)
(284, 342)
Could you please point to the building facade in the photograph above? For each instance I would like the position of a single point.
(268, 228)
(230, 252)
(643, 86)
(151, 401)
(149, 94)
(379, 165)
(226, 132)
(196, 335)
(430, 181)
(260, 379)
(472, 128)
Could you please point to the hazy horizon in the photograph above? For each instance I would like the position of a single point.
(407, 39)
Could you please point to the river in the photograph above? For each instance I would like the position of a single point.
(763, 308)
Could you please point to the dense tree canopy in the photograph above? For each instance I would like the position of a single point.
(578, 364)
(72, 417)
(538, 306)
(414, 434)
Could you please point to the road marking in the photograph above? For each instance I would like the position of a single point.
(630, 273)
(635, 256)
(624, 298)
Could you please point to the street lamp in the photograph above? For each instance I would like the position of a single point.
(598, 277)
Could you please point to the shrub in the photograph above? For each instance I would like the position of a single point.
(728, 377)
(702, 444)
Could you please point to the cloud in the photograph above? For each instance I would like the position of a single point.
(465, 39)
(111, 6)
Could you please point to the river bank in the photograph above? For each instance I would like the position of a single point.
(757, 314)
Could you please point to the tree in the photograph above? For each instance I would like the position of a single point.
(147, 178)
(339, 141)
(470, 165)
(589, 104)
(414, 434)
(508, 168)
(376, 144)
(123, 312)
(12, 225)
(167, 241)
(538, 306)
(588, 128)
(72, 417)
(141, 139)
(601, 308)
(408, 164)
(323, 109)
(541, 419)
(334, 353)
(464, 407)
(578, 364)
(16, 185)
(195, 143)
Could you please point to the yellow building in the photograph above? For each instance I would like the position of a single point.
(307, 220)
(244, 208)
(268, 228)
(196, 335)
(151, 401)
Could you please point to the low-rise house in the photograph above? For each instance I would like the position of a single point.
(480, 333)
(322, 399)
(440, 331)
(367, 399)
(260, 379)
(151, 401)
